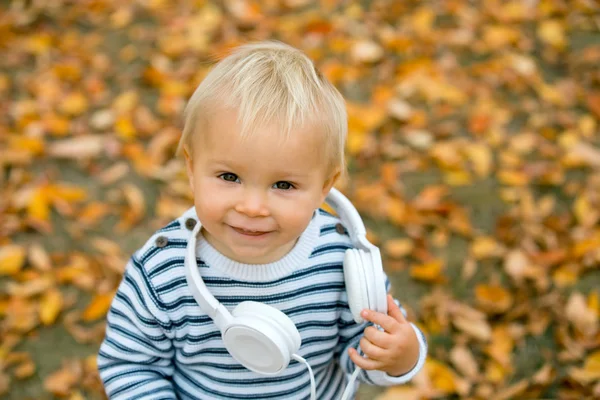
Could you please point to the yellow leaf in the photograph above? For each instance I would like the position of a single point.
(481, 158)
(585, 246)
(590, 371)
(422, 20)
(495, 372)
(398, 248)
(51, 305)
(174, 88)
(583, 210)
(513, 178)
(35, 146)
(125, 128)
(39, 205)
(485, 247)
(458, 178)
(565, 275)
(74, 104)
(500, 35)
(126, 102)
(493, 298)
(355, 142)
(65, 192)
(552, 32)
(594, 302)
(442, 377)
(428, 272)
(39, 43)
(98, 307)
(56, 125)
(587, 126)
(12, 259)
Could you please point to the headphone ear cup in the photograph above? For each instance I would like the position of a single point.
(261, 337)
(356, 285)
(367, 270)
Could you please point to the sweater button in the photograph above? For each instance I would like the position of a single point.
(161, 241)
(190, 223)
(340, 229)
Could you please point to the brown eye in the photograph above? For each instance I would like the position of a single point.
(229, 177)
(283, 185)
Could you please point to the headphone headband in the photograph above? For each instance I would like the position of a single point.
(209, 304)
(347, 213)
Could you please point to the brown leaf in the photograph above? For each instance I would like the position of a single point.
(61, 382)
(581, 316)
(81, 147)
(464, 361)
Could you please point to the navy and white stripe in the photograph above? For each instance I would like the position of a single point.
(160, 345)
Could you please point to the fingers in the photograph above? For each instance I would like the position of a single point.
(394, 311)
(387, 322)
(377, 337)
(362, 362)
(371, 350)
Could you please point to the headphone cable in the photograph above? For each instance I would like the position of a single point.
(350, 385)
(313, 395)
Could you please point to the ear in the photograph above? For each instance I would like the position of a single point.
(328, 184)
(189, 166)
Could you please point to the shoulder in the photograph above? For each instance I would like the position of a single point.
(165, 249)
(333, 235)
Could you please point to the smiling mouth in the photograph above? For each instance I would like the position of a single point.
(249, 232)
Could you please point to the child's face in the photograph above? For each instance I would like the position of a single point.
(256, 196)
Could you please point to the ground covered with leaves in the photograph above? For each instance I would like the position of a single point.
(474, 158)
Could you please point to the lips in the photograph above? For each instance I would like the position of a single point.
(249, 232)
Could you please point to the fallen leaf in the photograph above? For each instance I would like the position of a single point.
(50, 306)
(12, 259)
(98, 307)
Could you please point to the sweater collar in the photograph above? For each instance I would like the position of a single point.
(283, 267)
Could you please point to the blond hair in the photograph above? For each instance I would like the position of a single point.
(271, 82)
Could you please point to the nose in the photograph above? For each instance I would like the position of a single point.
(253, 203)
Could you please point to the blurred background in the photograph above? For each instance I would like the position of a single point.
(474, 156)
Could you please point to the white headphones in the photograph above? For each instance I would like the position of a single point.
(264, 339)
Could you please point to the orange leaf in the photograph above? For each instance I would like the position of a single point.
(98, 307)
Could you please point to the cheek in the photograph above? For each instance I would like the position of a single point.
(297, 221)
(212, 206)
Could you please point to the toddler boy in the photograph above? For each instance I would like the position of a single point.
(263, 143)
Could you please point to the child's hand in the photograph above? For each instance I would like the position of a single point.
(394, 350)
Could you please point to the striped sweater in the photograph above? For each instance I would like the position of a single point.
(160, 345)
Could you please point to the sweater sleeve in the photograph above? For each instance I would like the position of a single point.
(350, 335)
(134, 359)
